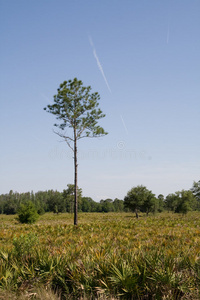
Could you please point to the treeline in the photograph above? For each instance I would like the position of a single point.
(138, 199)
(184, 201)
(57, 202)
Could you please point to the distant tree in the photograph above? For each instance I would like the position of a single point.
(186, 202)
(11, 203)
(10, 207)
(56, 202)
(160, 202)
(88, 205)
(171, 202)
(196, 192)
(118, 205)
(139, 198)
(98, 207)
(68, 196)
(40, 206)
(107, 205)
(181, 202)
(2, 203)
(150, 203)
(41, 199)
(77, 108)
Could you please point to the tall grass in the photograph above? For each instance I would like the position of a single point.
(108, 256)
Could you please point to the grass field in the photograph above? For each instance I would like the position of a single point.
(107, 256)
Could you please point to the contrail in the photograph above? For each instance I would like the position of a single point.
(104, 77)
(91, 42)
(124, 124)
(99, 64)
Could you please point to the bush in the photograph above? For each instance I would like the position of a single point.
(27, 213)
(25, 244)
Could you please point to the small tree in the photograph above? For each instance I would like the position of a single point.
(27, 213)
(77, 109)
(139, 198)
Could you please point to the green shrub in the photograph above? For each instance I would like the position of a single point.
(25, 244)
(27, 213)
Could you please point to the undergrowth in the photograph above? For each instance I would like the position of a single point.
(107, 256)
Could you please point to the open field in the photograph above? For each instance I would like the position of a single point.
(107, 256)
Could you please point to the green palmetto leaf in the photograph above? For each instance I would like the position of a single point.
(123, 278)
(4, 255)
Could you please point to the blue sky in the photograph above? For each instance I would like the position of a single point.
(143, 57)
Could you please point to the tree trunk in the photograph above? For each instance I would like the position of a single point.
(75, 180)
(136, 212)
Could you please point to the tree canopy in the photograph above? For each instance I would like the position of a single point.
(139, 198)
(181, 202)
(77, 108)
